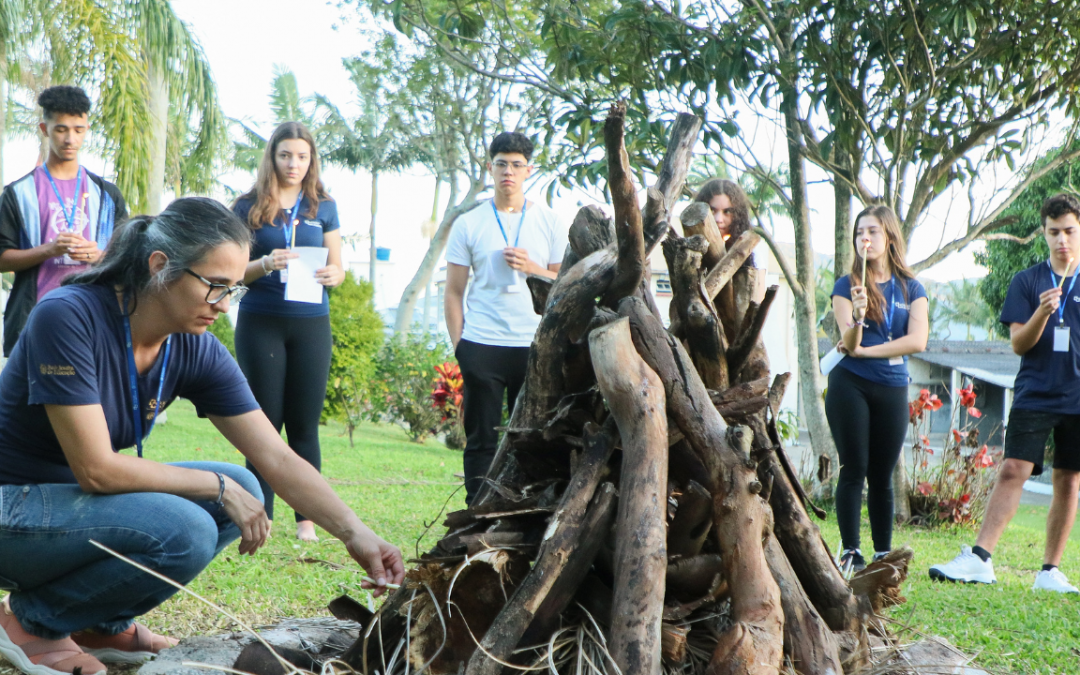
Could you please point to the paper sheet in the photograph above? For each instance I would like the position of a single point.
(302, 286)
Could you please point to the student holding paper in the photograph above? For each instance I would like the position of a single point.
(881, 311)
(1042, 308)
(283, 346)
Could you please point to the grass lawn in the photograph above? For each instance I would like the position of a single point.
(399, 487)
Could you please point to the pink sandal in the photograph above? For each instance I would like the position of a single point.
(135, 645)
(38, 656)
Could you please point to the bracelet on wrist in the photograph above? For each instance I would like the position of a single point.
(219, 502)
(265, 269)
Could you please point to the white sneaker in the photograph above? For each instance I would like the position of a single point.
(1053, 580)
(966, 567)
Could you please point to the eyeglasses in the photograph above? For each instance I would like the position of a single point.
(502, 165)
(218, 292)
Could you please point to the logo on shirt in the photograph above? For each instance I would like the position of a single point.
(1076, 298)
(58, 221)
(900, 305)
(313, 223)
(49, 369)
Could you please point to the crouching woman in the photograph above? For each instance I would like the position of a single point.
(133, 329)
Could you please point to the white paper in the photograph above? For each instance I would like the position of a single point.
(829, 361)
(896, 361)
(501, 274)
(302, 286)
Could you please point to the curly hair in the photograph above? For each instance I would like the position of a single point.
(63, 100)
(740, 204)
(1059, 205)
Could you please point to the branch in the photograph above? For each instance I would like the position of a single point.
(630, 269)
(781, 259)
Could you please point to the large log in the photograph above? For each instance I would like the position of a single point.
(742, 520)
(629, 233)
(635, 396)
(697, 219)
(567, 552)
(696, 315)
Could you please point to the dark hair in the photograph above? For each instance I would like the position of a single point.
(264, 193)
(186, 231)
(875, 300)
(740, 204)
(511, 141)
(63, 100)
(1059, 205)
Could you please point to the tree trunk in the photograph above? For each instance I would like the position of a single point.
(3, 112)
(371, 236)
(158, 89)
(842, 226)
(635, 396)
(805, 311)
(407, 304)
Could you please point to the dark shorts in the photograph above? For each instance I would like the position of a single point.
(1028, 431)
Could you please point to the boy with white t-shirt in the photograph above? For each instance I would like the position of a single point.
(501, 242)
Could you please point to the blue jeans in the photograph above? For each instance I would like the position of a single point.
(60, 583)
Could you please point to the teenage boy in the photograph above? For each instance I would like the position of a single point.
(502, 242)
(1042, 309)
(55, 220)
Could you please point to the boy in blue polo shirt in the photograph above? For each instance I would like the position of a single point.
(1042, 309)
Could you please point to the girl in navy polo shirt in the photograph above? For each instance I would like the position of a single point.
(881, 323)
(283, 346)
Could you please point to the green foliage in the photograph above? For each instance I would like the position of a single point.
(223, 330)
(404, 379)
(358, 334)
(1003, 258)
(787, 425)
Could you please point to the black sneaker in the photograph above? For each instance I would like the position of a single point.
(879, 555)
(851, 560)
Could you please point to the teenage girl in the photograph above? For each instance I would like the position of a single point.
(866, 404)
(283, 346)
(731, 212)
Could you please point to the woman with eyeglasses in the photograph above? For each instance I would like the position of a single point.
(99, 358)
(284, 346)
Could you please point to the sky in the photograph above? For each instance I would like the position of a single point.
(245, 39)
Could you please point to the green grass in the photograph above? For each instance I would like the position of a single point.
(398, 487)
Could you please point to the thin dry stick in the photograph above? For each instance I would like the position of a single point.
(289, 668)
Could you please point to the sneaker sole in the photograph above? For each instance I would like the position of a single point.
(938, 575)
(111, 655)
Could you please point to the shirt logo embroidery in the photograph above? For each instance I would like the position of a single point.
(313, 223)
(48, 369)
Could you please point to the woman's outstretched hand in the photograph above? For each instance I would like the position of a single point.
(381, 560)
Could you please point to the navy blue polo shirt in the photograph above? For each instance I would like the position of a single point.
(72, 352)
(267, 295)
(1048, 381)
(879, 370)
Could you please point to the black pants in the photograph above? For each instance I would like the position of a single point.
(286, 361)
(487, 371)
(869, 423)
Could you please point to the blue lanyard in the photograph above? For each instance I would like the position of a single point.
(1061, 305)
(288, 229)
(520, 223)
(892, 308)
(74, 200)
(133, 379)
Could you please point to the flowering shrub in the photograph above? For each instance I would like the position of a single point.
(401, 387)
(446, 397)
(955, 489)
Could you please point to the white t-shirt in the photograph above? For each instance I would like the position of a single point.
(498, 307)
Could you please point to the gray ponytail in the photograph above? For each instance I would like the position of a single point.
(185, 232)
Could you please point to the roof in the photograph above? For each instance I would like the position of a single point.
(991, 361)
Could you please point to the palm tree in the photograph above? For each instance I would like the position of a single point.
(964, 305)
(142, 61)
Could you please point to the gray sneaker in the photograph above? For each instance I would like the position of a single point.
(1053, 580)
(966, 567)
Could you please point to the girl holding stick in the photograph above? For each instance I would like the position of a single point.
(881, 311)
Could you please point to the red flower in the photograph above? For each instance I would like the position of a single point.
(967, 396)
(982, 458)
(925, 488)
(974, 412)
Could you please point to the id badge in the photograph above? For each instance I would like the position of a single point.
(284, 276)
(896, 361)
(1061, 339)
(512, 288)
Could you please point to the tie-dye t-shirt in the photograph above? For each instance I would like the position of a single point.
(53, 222)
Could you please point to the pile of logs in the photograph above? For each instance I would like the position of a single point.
(641, 514)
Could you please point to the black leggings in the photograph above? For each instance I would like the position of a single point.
(286, 361)
(869, 423)
(487, 371)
